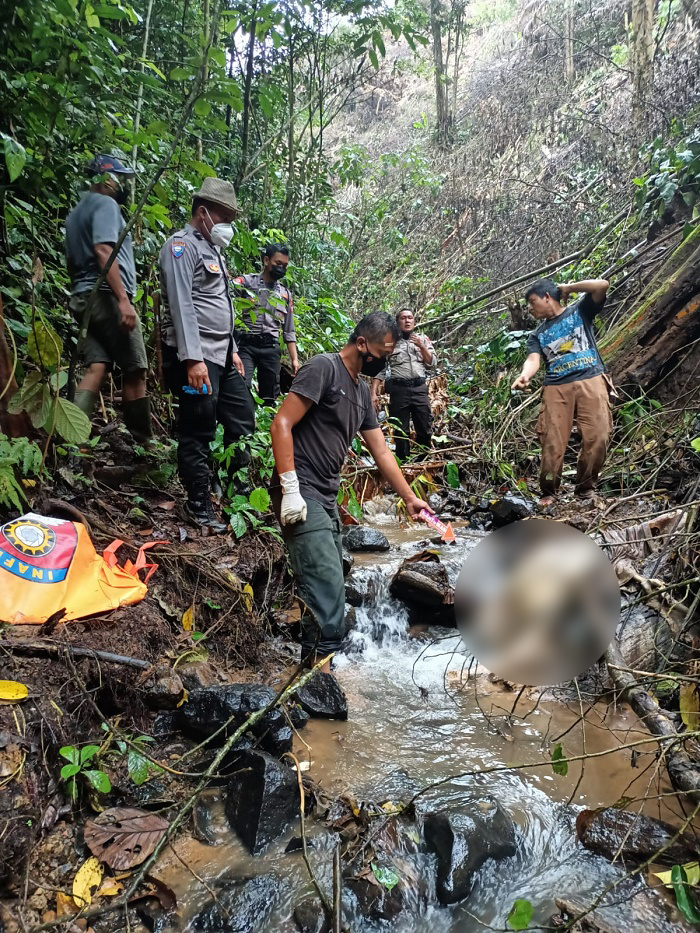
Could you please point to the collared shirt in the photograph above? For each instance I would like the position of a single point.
(274, 308)
(198, 313)
(406, 362)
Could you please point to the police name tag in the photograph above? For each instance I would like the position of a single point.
(177, 247)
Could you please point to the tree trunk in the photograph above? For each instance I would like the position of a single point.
(139, 97)
(569, 41)
(247, 104)
(642, 54)
(645, 346)
(441, 104)
(10, 425)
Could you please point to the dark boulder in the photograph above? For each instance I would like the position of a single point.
(360, 588)
(309, 916)
(422, 584)
(462, 843)
(240, 906)
(362, 538)
(634, 836)
(322, 697)
(262, 799)
(510, 509)
(211, 708)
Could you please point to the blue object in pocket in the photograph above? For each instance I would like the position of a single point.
(190, 391)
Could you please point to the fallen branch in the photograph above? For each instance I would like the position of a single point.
(38, 647)
(684, 774)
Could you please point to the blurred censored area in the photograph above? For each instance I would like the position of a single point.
(537, 602)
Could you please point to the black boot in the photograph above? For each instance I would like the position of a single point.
(201, 510)
(137, 418)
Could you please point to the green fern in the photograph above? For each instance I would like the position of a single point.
(17, 456)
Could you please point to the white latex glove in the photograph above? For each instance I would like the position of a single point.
(293, 506)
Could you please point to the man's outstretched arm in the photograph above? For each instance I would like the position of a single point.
(596, 288)
(292, 410)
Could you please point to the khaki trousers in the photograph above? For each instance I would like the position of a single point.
(588, 403)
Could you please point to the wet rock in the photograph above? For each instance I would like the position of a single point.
(261, 800)
(510, 509)
(362, 538)
(207, 818)
(310, 917)
(209, 709)
(198, 674)
(350, 619)
(296, 844)
(422, 583)
(635, 907)
(164, 688)
(462, 841)
(360, 588)
(374, 901)
(634, 836)
(348, 561)
(323, 698)
(241, 906)
(165, 724)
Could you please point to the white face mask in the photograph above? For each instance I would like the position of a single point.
(220, 234)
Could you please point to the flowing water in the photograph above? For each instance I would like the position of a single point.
(412, 723)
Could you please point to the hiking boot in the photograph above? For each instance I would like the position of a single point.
(201, 511)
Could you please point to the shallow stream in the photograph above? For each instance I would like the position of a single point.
(413, 722)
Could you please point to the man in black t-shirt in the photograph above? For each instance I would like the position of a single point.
(575, 387)
(327, 405)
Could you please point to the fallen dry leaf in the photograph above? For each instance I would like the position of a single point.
(123, 836)
(166, 506)
(12, 691)
(88, 876)
(64, 904)
(109, 887)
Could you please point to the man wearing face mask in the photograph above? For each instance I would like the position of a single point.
(114, 331)
(327, 405)
(201, 364)
(408, 388)
(265, 307)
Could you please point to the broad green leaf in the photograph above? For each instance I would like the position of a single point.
(559, 764)
(373, 58)
(15, 157)
(70, 753)
(452, 474)
(260, 499)
(684, 899)
(695, 444)
(238, 524)
(99, 780)
(138, 768)
(218, 56)
(387, 877)
(520, 914)
(202, 107)
(71, 423)
(39, 407)
(87, 752)
(68, 771)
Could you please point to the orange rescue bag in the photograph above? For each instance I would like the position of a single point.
(48, 564)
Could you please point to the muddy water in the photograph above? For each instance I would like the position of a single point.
(413, 722)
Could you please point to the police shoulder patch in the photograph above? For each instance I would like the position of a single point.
(177, 248)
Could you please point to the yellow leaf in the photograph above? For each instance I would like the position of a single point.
(690, 706)
(64, 904)
(89, 876)
(12, 690)
(391, 807)
(248, 596)
(188, 619)
(109, 887)
(692, 870)
(184, 698)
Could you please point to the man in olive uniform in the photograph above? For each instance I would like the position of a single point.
(114, 331)
(408, 389)
(265, 307)
(201, 364)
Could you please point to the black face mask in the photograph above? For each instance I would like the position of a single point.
(406, 334)
(371, 365)
(121, 196)
(278, 272)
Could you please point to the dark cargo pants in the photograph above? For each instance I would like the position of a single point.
(406, 402)
(268, 362)
(316, 555)
(230, 404)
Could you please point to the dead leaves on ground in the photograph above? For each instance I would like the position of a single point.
(123, 837)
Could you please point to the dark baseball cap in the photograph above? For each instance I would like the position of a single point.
(108, 163)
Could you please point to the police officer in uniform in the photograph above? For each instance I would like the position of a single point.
(201, 364)
(408, 388)
(265, 307)
(114, 335)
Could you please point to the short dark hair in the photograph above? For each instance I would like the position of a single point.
(273, 248)
(543, 287)
(374, 326)
(199, 202)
